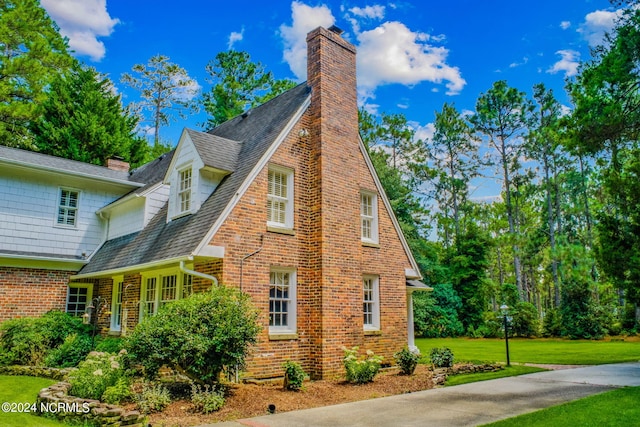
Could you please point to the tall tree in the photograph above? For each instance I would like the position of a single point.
(238, 83)
(165, 88)
(32, 52)
(502, 118)
(82, 119)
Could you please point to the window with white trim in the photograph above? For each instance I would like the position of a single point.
(160, 288)
(78, 298)
(184, 190)
(116, 303)
(369, 217)
(282, 301)
(68, 207)
(371, 302)
(280, 198)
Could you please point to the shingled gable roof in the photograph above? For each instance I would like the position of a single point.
(256, 133)
(33, 160)
(226, 152)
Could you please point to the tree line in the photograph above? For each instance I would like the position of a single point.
(560, 247)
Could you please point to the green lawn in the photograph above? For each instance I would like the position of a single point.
(617, 408)
(22, 390)
(522, 350)
(510, 371)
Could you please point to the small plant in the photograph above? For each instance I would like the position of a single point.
(407, 360)
(360, 371)
(153, 398)
(120, 392)
(95, 374)
(293, 375)
(110, 344)
(441, 357)
(207, 400)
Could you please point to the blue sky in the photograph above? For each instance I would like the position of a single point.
(413, 56)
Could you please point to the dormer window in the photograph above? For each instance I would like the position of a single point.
(184, 190)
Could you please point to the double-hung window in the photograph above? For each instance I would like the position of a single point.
(282, 301)
(280, 198)
(161, 288)
(369, 217)
(184, 190)
(78, 298)
(371, 303)
(68, 208)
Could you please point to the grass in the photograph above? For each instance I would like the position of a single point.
(510, 371)
(522, 350)
(617, 408)
(22, 390)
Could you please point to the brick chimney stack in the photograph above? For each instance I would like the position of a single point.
(117, 164)
(336, 308)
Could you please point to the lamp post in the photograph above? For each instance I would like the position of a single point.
(505, 310)
(90, 317)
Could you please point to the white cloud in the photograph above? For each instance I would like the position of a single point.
(565, 25)
(423, 133)
(569, 62)
(597, 24)
(82, 21)
(375, 12)
(518, 64)
(305, 18)
(391, 53)
(235, 37)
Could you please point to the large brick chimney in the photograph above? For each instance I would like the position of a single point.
(337, 304)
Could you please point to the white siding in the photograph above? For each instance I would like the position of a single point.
(186, 155)
(28, 215)
(126, 218)
(155, 201)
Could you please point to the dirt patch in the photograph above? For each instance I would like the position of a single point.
(250, 400)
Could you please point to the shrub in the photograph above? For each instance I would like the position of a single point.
(153, 398)
(407, 360)
(524, 321)
(552, 323)
(207, 400)
(95, 374)
(360, 371)
(26, 341)
(441, 357)
(71, 352)
(198, 336)
(293, 375)
(120, 392)
(109, 344)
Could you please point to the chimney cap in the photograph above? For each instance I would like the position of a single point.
(335, 29)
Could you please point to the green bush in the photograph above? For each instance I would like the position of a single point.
(109, 344)
(120, 392)
(71, 352)
(441, 357)
(26, 341)
(293, 375)
(407, 360)
(95, 374)
(360, 371)
(198, 336)
(524, 320)
(552, 323)
(153, 398)
(207, 400)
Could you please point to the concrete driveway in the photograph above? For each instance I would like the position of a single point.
(463, 405)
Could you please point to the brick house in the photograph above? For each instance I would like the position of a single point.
(282, 202)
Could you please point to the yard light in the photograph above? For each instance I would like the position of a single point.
(505, 311)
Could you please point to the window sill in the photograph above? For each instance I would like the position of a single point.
(368, 244)
(283, 336)
(281, 230)
(372, 332)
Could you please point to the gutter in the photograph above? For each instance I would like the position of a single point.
(198, 274)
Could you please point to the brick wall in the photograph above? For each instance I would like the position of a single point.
(28, 292)
(325, 247)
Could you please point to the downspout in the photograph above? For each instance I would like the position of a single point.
(198, 274)
(249, 256)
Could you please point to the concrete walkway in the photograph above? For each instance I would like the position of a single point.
(464, 405)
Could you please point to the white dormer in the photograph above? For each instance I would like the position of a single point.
(200, 163)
